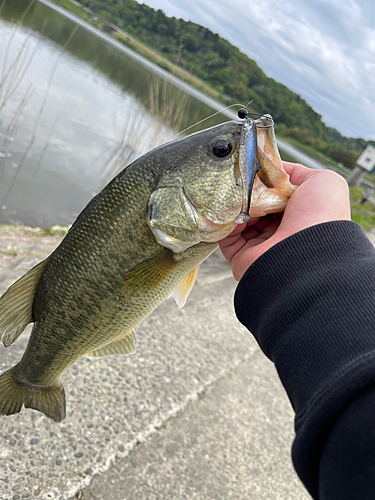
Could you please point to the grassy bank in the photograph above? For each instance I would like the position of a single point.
(7, 229)
(33, 243)
(315, 154)
(323, 159)
(364, 215)
(163, 59)
(139, 48)
(73, 8)
(164, 63)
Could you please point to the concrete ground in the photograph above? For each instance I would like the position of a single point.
(197, 412)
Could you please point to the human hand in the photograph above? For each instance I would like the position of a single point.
(321, 196)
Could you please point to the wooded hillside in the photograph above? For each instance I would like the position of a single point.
(232, 73)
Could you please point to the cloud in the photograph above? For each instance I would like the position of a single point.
(323, 50)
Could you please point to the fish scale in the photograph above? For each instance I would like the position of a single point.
(139, 240)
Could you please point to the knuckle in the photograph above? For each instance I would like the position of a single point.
(334, 178)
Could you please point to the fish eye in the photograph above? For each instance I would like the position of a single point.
(221, 148)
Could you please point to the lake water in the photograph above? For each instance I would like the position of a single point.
(70, 119)
(74, 109)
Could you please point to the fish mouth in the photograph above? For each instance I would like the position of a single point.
(213, 226)
(271, 188)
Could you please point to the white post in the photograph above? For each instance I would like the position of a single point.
(364, 165)
(357, 176)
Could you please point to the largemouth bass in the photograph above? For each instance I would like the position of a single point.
(139, 240)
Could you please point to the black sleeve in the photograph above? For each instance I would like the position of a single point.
(310, 303)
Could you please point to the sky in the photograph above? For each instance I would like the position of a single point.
(324, 50)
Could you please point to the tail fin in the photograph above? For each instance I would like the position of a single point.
(14, 394)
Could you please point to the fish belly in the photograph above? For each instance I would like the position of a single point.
(54, 346)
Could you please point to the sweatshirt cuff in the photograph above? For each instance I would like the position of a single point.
(295, 300)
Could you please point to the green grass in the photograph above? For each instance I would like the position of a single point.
(142, 49)
(164, 63)
(315, 153)
(367, 222)
(364, 215)
(55, 230)
(19, 228)
(12, 252)
(356, 193)
(324, 159)
(73, 8)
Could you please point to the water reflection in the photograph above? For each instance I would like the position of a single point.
(74, 116)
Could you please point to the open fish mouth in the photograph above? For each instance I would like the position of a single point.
(270, 188)
(260, 177)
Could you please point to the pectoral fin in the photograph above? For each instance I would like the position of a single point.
(182, 292)
(16, 305)
(123, 345)
(150, 273)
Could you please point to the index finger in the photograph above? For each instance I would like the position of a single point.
(298, 173)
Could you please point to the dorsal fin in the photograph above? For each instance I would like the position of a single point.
(123, 345)
(16, 305)
(182, 292)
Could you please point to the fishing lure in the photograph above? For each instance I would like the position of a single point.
(248, 163)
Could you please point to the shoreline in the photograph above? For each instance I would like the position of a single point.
(170, 72)
(20, 232)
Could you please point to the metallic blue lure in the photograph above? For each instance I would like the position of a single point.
(248, 163)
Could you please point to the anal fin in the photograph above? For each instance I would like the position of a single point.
(123, 345)
(182, 292)
(16, 305)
